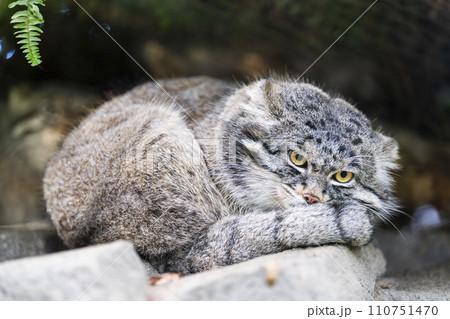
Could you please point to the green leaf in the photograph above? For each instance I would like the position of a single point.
(19, 20)
(34, 28)
(28, 33)
(21, 31)
(17, 3)
(22, 13)
(35, 10)
(23, 25)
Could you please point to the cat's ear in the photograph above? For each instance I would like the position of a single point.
(272, 90)
(389, 152)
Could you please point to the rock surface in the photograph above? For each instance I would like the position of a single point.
(320, 273)
(418, 265)
(111, 271)
(425, 285)
(30, 239)
(413, 252)
(418, 269)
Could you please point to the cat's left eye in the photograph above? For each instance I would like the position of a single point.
(343, 177)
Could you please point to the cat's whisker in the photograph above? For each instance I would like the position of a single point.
(395, 174)
(399, 211)
(385, 218)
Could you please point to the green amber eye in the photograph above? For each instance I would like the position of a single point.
(297, 159)
(343, 176)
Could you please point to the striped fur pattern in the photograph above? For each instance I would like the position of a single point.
(207, 181)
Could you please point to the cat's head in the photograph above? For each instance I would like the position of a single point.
(291, 142)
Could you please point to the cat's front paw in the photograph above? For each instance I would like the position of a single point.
(307, 225)
(198, 263)
(355, 224)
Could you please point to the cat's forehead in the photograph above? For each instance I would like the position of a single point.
(311, 111)
(329, 130)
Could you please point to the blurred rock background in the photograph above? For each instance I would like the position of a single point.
(394, 64)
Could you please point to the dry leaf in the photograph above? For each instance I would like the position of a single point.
(164, 278)
(272, 271)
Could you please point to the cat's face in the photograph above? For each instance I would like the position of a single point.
(303, 147)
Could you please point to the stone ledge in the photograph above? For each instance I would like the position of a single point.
(320, 273)
(111, 271)
(29, 239)
(433, 284)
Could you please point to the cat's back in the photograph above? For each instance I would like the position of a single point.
(114, 148)
(194, 97)
(147, 109)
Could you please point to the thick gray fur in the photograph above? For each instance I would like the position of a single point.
(207, 181)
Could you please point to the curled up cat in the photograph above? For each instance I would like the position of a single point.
(198, 173)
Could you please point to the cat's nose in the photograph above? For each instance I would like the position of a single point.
(311, 199)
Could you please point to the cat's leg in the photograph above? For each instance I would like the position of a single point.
(238, 238)
(348, 222)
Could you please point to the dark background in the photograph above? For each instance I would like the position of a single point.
(394, 64)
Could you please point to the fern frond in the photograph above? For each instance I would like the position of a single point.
(28, 34)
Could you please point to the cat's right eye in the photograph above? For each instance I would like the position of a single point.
(297, 159)
(343, 177)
